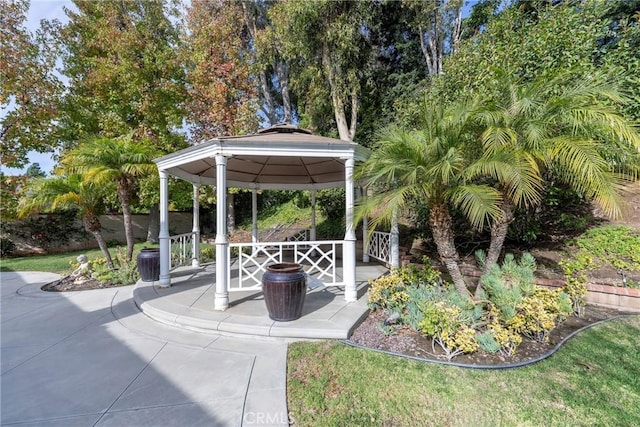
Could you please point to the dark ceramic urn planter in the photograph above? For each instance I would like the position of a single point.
(149, 264)
(284, 287)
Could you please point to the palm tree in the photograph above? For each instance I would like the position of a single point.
(119, 160)
(429, 164)
(571, 131)
(63, 192)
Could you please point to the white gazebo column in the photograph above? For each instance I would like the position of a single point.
(312, 231)
(222, 240)
(349, 249)
(365, 230)
(195, 260)
(394, 261)
(163, 236)
(254, 217)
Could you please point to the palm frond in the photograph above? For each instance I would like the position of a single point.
(479, 203)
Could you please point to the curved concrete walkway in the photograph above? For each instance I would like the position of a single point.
(91, 358)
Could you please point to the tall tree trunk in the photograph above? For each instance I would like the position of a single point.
(282, 69)
(457, 30)
(499, 230)
(442, 230)
(93, 226)
(337, 101)
(153, 228)
(268, 108)
(125, 199)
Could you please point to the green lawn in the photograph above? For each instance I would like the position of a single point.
(59, 263)
(593, 380)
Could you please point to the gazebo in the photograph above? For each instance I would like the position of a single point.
(282, 157)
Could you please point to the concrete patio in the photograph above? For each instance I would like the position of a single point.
(189, 304)
(90, 358)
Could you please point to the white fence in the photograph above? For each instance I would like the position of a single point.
(181, 250)
(318, 259)
(380, 246)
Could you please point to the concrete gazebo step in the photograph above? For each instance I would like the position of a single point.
(189, 304)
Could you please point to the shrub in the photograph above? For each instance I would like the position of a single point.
(507, 284)
(507, 338)
(113, 243)
(426, 275)
(576, 281)
(539, 313)
(388, 292)
(7, 247)
(331, 228)
(207, 253)
(514, 307)
(487, 342)
(124, 273)
(331, 202)
(443, 324)
(392, 291)
(48, 231)
(576, 290)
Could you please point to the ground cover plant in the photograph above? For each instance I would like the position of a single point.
(611, 247)
(511, 307)
(593, 379)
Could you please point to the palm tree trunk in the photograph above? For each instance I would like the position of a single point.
(125, 199)
(93, 226)
(499, 230)
(442, 230)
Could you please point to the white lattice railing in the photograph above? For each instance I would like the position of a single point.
(181, 249)
(318, 259)
(380, 246)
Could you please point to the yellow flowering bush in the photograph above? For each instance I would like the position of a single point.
(442, 323)
(576, 289)
(387, 292)
(508, 339)
(539, 313)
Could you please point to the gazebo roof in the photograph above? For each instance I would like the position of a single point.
(280, 157)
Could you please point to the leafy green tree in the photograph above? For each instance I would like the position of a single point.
(530, 40)
(572, 131)
(34, 171)
(11, 188)
(222, 91)
(326, 42)
(429, 164)
(64, 192)
(124, 72)
(106, 160)
(29, 89)
(439, 26)
(125, 75)
(277, 102)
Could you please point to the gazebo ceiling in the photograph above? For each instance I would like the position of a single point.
(282, 157)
